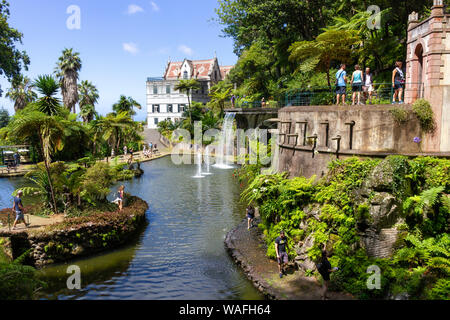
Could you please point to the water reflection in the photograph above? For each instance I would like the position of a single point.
(180, 255)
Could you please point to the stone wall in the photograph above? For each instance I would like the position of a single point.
(363, 130)
(82, 236)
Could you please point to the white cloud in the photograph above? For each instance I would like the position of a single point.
(134, 8)
(130, 47)
(186, 50)
(154, 6)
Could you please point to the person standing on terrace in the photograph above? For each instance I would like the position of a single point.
(341, 84)
(398, 83)
(357, 79)
(368, 85)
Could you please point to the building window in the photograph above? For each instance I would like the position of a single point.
(155, 108)
(169, 108)
(185, 75)
(168, 89)
(155, 89)
(156, 121)
(181, 107)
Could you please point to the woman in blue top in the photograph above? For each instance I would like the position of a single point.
(341, 84)
(357, 81)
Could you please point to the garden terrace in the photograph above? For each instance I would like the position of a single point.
(75, 237)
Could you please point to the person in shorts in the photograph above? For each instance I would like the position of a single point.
(281, 249)
(398, 83)
(341, 84)
(357, 80)
(250, 211)
(368, 86)
(18, 210)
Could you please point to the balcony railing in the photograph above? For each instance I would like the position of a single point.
(383, 93)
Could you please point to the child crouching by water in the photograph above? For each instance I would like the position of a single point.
(120, 197)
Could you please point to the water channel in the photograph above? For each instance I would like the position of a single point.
(179, 255)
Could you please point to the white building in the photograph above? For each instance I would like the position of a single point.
(166, 103)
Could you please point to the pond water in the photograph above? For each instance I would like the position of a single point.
(179, 255)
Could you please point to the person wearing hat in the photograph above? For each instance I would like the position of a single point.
(18, 209)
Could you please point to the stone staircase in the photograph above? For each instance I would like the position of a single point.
(153, 136)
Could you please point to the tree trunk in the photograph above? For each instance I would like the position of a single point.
(47, 168)
(190, 111)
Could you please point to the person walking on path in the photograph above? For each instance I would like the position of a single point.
(250, 216)
(368, 85)
(120, 196)
(17, 158)
(398, 83)
(324, 268)
(357, 79)
(341, 84)
(125, 150)
(150, 145)
(18, 209)
(281, 249)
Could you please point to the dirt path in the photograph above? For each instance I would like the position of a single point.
(35, 222)
(248, 250)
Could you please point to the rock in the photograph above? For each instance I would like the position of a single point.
(313, 211)
(384, 210)
(381, 177)
(399, 296)
(302, 260)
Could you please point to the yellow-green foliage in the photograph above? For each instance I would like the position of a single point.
(421, 261)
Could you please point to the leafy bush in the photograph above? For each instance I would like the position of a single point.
(96, 182)
(422, 109)
(400, 115)
(18, 282)
(328, 211)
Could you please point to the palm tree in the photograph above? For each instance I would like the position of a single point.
(21, 93)
(114, 127)
(47, 86)
(187, 86)
(68, 66)
(219, 94)
(126, 105)
(50, 133)
(87, 113)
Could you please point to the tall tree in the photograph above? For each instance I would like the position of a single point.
(4, 118)
(126, 104)
(11, 59)
(50, 132)
(114, 127)
(68, 66)
(88, 98)
(328, 46)
(220, 93)
(48, 87)
(187, 86)
(21, 92)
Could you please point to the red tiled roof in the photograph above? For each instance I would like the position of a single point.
(225, 70)
(201, 69)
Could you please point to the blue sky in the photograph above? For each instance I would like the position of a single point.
(120, 42)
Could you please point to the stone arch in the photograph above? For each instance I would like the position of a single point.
(419, 63)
